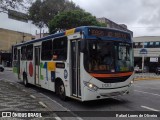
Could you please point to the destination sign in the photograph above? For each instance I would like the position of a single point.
(108, 33)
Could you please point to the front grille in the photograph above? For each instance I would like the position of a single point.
(113, 94)
(113, 79)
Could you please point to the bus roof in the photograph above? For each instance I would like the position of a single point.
(78, 29)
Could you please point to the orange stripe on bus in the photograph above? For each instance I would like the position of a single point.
(111, 75)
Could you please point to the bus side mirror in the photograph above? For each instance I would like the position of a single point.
(83, 45)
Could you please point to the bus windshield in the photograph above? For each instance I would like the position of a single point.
(108, 56)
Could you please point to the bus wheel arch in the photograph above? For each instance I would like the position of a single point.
(60, 88)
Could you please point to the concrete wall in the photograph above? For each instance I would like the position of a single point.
(146, 38)
(9, 38)
(152, 52)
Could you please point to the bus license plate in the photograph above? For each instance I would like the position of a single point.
(106, 85)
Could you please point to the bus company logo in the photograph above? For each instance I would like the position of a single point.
(6, 114)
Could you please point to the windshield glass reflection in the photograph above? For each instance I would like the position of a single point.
(107, 56)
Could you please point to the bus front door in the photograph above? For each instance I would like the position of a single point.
(75, 67)
(37, 64)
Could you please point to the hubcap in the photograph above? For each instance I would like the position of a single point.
(61, 89)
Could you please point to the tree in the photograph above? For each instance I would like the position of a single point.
(41, 12)
(5, 5)
(72, 19)
(36, 8)
(71, 6)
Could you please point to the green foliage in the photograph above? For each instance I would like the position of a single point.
(36, 8)
(71, 6)
(41, 12)
(72, 19)
(5, 5)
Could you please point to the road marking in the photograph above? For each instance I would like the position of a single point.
(152, 109)
(79, 118)
(147, 93)
(58, 118)
(32, 96)
(147, 87)
(24, 90)
(41, 103)
(55, 101)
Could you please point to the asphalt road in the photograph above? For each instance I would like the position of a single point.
(146, 97)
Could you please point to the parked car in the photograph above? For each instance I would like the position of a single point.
(157, 70)
(1, 68)
(146, 69)
(137, 69)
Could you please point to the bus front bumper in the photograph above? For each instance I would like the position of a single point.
(106, 93)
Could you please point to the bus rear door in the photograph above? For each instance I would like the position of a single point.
(37, 64)
(18, 64)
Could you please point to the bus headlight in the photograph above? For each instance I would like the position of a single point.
(90, 86)
(132, 82)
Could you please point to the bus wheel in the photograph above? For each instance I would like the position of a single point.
(25, 81)
(61, 91)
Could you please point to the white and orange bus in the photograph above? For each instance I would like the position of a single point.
(84, 63)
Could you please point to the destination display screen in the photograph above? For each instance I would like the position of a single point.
(108, 33)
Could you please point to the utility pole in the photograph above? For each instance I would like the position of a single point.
(23, 37)
(40, 32)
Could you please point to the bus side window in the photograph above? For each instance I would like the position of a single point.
(29, 52)
(46, 53)
(23, 52)
(60, 48)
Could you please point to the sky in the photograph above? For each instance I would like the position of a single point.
(15, 25)
(141, 16)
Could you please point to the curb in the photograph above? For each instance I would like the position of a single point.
(8, 69)
(146, 78)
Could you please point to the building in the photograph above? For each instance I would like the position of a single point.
(7, 39)
(41, 35)
(111, 24)
(147, 52)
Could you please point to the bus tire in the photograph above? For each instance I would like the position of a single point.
(25, 81)
(61, 91)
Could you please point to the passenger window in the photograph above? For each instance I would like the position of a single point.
(29, 52)
(46, 50)
(23, 53)
(60, 48)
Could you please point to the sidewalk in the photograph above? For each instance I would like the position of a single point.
(8, 68)
(14, 98)
(146, 76)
